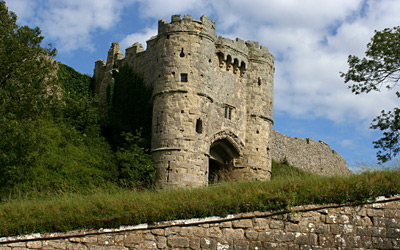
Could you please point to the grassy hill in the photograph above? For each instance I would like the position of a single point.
(108, 208)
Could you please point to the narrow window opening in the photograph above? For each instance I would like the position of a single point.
(257, 132)
(182, 111)
(259, 81)
(182, 54)
(168, 170)
(184, 77)
(228, 112)
(173, 73)
(167, 36)
(199, 126)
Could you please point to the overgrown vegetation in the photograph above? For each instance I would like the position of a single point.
(65, 166)
(51, 126)
(113, 208)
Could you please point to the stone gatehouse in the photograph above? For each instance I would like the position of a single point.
(212, 101)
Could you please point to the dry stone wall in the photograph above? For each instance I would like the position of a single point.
(375, 225)
(307, 154)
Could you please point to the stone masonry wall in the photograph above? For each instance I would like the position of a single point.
(375, 225)
(307, 154)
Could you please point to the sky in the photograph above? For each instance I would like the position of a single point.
(310, 39)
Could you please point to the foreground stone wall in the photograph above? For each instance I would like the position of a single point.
(308, 154)
(370, 226)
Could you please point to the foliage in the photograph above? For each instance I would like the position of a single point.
(107, 209)
(81, 108)
(283, 170)
(49, 134)
(380, 68)
(131, 107)
(136, 168)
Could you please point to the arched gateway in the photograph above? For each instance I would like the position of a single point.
(225, 149)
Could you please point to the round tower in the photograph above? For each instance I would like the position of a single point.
(185, 52)
(256, 157)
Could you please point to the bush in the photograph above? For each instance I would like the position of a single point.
(136, 168)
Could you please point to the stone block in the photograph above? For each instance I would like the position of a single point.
(240, 244)
(363, 230)
(291, 227)
(247, 223)
(208, 243)
(17, 244)
(194, 243)
(378, 232)
(322, 229)
(161, 242)
(331, 219)
(201, 231)
(393, 232)
(174, 241)
(105, 240)
(266, 236)
(391, 213)
(305, 238)
(57, 244)
(366, 242)
(256, 245)
(78, 246)
(89, 239)
(215, 232)
(226, 224)
(260, 224)
(326, 240)
(134, 238)
(158, 231)
(377, 242)
(251, 234)
(229, 233)
(276, 224)
(334, 229)
(284, 236)
(34, 244)
(375, 212)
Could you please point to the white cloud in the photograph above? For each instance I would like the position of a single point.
(69, 24)
(140, 37)
(311, 40)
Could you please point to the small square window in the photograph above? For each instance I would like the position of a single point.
(184, 77)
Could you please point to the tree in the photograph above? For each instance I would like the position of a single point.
(380, 68)
(49, 136)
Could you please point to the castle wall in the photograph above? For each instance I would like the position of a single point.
(369, 226)
(308, 155)
(212, 104)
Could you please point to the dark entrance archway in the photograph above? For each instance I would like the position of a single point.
(222, 155)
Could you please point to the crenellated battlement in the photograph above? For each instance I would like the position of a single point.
(203, 27)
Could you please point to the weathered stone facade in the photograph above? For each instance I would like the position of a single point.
(308, 155)
(370, 226)
(212, 101)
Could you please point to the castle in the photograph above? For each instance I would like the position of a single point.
(212, 103)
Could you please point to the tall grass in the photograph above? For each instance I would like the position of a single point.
(113, 208)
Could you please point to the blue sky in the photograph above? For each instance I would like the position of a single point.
(310, 39)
